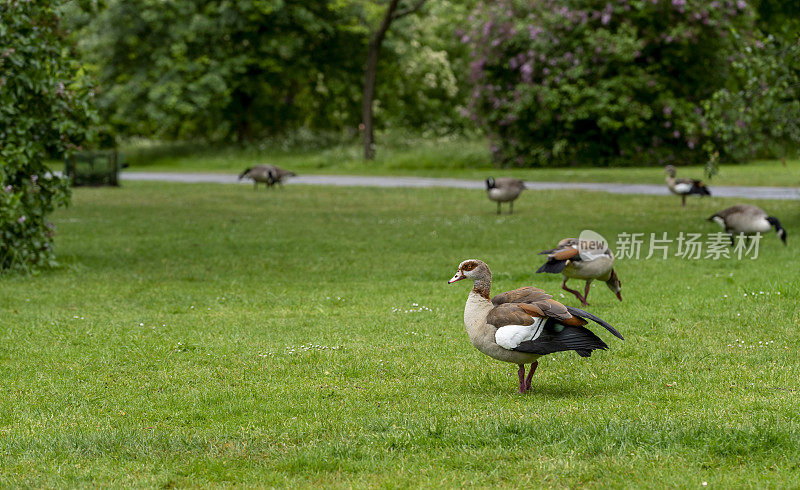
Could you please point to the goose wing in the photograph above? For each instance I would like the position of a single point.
(542, 328)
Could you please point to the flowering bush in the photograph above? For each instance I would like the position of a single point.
(43, 111)
(600, 81)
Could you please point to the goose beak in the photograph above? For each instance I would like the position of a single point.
(459, 276)
(619, 296)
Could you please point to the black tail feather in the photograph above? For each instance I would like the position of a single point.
(553, 266)
(588, 316)
(700, 188)
(564, 338)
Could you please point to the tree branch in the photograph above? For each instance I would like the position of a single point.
(409, 10)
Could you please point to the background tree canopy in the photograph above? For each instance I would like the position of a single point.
(225, 70)
(626, 82)
(588, 82)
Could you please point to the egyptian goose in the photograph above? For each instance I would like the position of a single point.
(504, 189)
(266, 174)
(522, 325)
(684, 187)
(747, 219)
(567, 260)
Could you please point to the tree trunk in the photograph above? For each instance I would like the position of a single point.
(371, 76)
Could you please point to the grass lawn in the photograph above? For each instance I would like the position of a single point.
(211, 335)
(431, 158)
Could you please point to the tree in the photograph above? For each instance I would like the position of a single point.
(393, 12)
(757, 115)
(44, 110)
(601, 83)
(224, 70)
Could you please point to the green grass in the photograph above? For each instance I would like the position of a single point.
(204, 335)
(443, 157)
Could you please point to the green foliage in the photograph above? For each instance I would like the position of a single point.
(759, 116)
(44, 111)
(421, 82)
(590, 81)
(213, 69)
(225, 71)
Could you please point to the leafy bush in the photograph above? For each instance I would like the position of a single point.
(43, 111)
(188, 69)
(598, 81)
(759, 115)
(225, 71)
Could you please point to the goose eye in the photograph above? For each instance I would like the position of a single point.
(469, 267)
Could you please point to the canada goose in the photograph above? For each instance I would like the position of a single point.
(522, 325)
(684, 187)
(504, 189)
(567, 260)
(747, 219)
(266, 174)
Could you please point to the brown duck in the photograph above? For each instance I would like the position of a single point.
(684, 187)
(522, 325)
(567, 260)
(266, 174)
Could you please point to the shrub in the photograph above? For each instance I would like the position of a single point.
(758, 116)
(43, 111)
(599, 81)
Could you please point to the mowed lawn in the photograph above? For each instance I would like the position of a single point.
(209, 335)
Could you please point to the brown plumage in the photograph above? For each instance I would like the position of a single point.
(522, 325)
(266, 174)
(567, 260)
(684, 187)
(504, 189)
(746, 219)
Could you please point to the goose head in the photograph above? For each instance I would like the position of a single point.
(778, 228)
(670, 170)
(614, 284)
(473, 269)
(490, 183)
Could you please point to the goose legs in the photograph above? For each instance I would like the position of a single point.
(498, 207)
(683, 200)
(576, 293)
(525, 382)
(534, 365)
(585, 300)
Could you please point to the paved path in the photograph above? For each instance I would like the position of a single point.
(366, 181)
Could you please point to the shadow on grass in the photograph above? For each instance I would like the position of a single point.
(543, 389)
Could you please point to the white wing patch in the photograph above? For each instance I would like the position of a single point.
(683, 188)
(510, 336)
